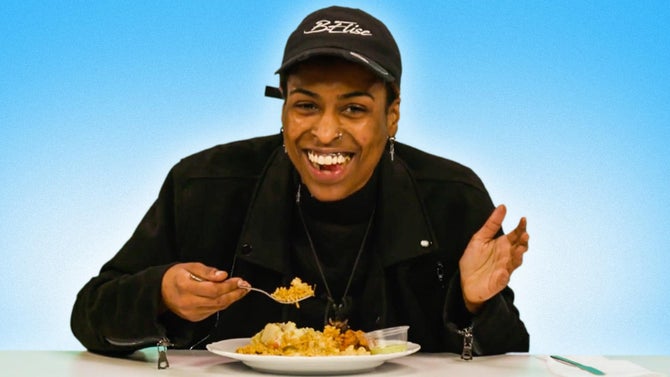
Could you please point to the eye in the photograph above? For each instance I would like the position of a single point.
(305, 106)
(355, 109)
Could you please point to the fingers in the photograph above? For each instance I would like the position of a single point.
(195, 291)
(521, 228)
(519, 237)
(518, 240)
(197, 306)
(213, 290)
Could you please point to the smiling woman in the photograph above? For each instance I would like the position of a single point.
(394, 236)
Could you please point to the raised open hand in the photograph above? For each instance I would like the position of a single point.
(487, 263)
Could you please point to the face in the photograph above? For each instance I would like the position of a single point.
(326, 99)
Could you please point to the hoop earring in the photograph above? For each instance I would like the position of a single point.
(392, 147)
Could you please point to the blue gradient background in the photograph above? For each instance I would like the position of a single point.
(562, 108)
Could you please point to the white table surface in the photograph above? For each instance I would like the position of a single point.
(204, 363)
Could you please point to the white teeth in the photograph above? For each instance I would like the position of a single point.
(328, 159)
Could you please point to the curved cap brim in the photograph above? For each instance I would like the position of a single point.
(338, 52)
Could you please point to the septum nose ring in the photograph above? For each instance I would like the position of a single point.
(339, 135)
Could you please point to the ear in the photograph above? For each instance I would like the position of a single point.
(392, 117)
(283, 109)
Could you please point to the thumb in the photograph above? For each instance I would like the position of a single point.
(492, 224)
(206, 272)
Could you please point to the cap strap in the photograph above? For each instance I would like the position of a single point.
(273, 92)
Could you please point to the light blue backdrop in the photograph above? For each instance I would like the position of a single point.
(562, 108)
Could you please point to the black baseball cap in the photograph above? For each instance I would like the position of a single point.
(348, 33)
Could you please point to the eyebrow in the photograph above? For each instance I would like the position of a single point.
(342, 96)
(303, 91)
(356, 94)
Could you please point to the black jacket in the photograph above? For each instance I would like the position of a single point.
(230, 207)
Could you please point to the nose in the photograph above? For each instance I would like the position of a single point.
(326, 129)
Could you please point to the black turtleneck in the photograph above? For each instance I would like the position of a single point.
(337, 230)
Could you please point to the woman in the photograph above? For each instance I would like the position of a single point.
(388, 234)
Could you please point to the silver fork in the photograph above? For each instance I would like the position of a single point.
(273, 297)
(288, 302)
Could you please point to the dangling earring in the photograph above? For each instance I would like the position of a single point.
(391, 147)
(281, 132)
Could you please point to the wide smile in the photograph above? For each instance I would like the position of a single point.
(329, 162)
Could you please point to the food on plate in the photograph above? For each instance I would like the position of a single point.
(296, 291)
(286, 339)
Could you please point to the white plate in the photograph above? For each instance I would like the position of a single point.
(305, 365)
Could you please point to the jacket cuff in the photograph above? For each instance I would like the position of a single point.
(455, 311)
(143, 294)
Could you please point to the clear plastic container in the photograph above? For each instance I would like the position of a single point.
(389, 340)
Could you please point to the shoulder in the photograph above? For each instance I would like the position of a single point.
(429, 167)
(235, 159)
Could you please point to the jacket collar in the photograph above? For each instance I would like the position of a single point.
(402, 227)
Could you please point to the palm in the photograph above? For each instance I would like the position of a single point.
(488, 263)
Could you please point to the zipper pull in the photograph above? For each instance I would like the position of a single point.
(468, 339)
(467, 343)
(162, 347)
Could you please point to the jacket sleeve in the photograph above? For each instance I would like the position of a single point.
(496, 329)
(119, 310)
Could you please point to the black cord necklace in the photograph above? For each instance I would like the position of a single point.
(336, 314)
